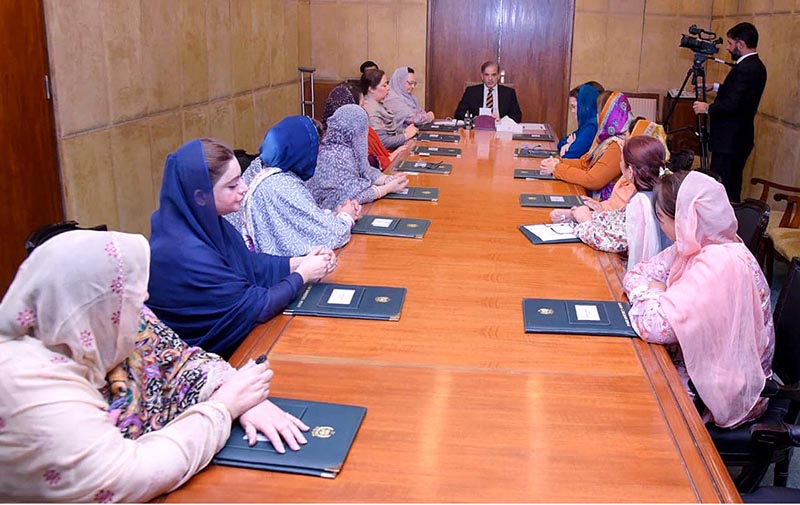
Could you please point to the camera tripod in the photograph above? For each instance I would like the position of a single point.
(698, 74)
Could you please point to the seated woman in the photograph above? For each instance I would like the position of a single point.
(69, 317)
(582, 102)
(706, 298)
(377, 155)
(634, 227)
(401, 101)
(342, 169)
(375, 87)
(205, 283)
(598, 169)
(278, 215)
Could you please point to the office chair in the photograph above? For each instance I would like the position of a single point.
(753, 218)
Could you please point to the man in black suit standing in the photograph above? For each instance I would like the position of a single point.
(734, 109)
(501, 99)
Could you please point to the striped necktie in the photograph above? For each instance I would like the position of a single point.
(490, 99)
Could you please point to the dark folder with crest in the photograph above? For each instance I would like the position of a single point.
(332, 428)
(529, 152)
(579, 317)
(550, 201)
(437, 151)
(424, 167)
(438, 137)
(433, 127)
(348, 301)
(404, 227)
(415, 193)
(556, 233)
(532, 173)
(545, 137)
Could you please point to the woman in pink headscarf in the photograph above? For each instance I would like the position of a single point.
(706, 298)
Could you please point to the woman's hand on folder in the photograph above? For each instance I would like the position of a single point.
(278, 426)
(246, 388)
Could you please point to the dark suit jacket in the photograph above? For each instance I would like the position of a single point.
(734, 109)
(473, 100)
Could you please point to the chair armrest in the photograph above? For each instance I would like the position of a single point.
(791, 218)
(774, 389)
(778, 435)
(772, 185)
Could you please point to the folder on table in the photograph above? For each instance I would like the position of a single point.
(438, 137)
(415, 193)
(436, 151)
(332, 430)
(529, 152)
(405, 227)
(550, 201)
(348, 301)
(532, 173)
(545, 137)
(424, 167)
(556, 233)
(581, 317)
(433, 127)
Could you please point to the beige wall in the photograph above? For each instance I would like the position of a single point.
(776, 155)
(134, 79)
(345, 33)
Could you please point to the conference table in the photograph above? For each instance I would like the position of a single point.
(463, 405)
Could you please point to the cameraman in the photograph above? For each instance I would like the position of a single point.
(734, 109)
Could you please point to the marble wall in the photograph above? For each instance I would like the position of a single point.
(134, 79)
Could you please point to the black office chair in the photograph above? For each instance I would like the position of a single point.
(48, 231)
(741, 447)
(753, 218)
(783, 435)
(244, 158)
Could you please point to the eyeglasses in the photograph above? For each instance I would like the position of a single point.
(411, 83)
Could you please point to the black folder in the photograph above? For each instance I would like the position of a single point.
(529, 152)
(348, 301)
(332, 430)
(437, 151)
(432, 127)
(387, 226)
(424, 167)
(550, 201)
(545, 137)
(532, 173)
(416, 193)
(438, 137)
(579, 317)
(537, 240)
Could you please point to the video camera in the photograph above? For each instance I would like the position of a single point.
(701, 41)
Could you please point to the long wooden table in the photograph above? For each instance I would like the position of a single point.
(463, 405)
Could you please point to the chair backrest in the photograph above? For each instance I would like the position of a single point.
(787, 327)
(244, 158)
(48, 231)
(753, 217)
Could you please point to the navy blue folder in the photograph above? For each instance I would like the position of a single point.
(437, 151)
(577, 317)
(348, 301)
(424, 167)
(387, 226)
(546, 137)
(439, 137)
(532, 173)
(432, 127)
(536, 240)
(528, 152)
(416, 193)
(550, 201)
(332, 430)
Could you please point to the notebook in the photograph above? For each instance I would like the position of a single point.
(529, 152)
(348, 301)
(532, 173)
(433, 127)
(415, 193)
(550, 201)
(424, 167)
(436, 151)
(583, 317)
(405, 227)
(560, 233)
(439, 137)
(545, 137)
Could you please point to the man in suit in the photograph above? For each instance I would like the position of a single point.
(734, 109)
(501, 99)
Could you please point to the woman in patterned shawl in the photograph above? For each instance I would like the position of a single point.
(278, 214)
(343, 172)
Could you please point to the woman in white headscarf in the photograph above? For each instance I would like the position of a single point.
(401, 100)
(68, 319)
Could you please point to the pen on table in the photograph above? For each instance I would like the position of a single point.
(261, 359)
(437, 165)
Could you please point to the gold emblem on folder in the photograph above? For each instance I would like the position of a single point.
(323, 432)
(426, 192)
(412, 225)
(382, 299)
(532, 198)
(546, 311)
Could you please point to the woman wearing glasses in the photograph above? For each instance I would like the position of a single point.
(401, 100)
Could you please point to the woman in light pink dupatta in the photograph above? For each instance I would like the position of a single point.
(706, 298)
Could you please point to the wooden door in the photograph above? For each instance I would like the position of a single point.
(30, 187)
(532, 41)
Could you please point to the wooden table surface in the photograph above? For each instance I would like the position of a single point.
(463, 405)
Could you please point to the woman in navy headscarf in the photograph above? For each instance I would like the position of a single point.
(278, 214)
(584, 100)
(204, 282)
